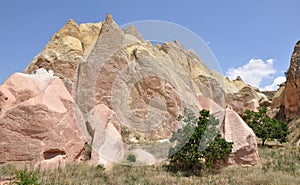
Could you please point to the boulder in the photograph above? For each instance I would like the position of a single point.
(39, 124)
(234, 129)
(244, 151)
(105, 129)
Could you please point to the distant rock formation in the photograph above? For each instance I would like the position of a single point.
(241, 96)
(111, 76)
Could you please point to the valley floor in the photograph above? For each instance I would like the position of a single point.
(280, 164)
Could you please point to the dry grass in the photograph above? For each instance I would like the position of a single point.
(294, 137)
(280, 164)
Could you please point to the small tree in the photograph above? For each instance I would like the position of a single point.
(199, 143)
(265, 127)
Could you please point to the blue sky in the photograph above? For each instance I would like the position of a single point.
(243, 34)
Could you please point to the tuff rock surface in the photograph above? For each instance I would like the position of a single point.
(286, 102)
(65, 50)
(244, 151)
(241, 96)
(234, 129)
(288, 98)
(39, 123)
(128, 95)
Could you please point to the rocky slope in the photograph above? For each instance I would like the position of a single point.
(288, 98)
(286, 102)
(65, 50)
(121, 95)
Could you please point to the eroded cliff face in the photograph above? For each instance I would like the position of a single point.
(290, 101)
(64, 51)
(128, 94)
(286, 101)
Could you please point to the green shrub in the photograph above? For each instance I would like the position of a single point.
(198, 144)
(131, 158)
(265, 127)
(100, 167)
(87, 151)
(26, 177)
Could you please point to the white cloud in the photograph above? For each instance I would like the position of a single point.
(274, 86)
(253, 72)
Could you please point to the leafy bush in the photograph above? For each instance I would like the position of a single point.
(26, 177)
(131, 158)
(87, 151)
(265, 127)
(100, 167)
(198, 144)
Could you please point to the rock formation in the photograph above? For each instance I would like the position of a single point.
(244, 151)
(128, 95)
(241, 96)
(39, 123)
(65, 50)
(234, 129)
(288, 98)
(286, 102)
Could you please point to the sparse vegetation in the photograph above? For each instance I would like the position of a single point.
(87, 151)
(265, 127)
(26, 177)
(280, 164)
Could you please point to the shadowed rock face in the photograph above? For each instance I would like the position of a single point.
(290, 97)
(126, 92)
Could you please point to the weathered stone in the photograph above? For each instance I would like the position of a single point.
(290, 102)
(234, 129)
(214, 109)
(146, 86)
(38, 122)
(244, 150)
(109, 41)
(64, 51)
(119, 82)
(131, 30)
(241, 96)
(105, 130)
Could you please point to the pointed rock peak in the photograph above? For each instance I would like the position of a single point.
(298, 43)
(294, 69)
(109, 24)
(238, 78)
(131, 30)
(109, 18)
(71, 21)
(71, 28)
